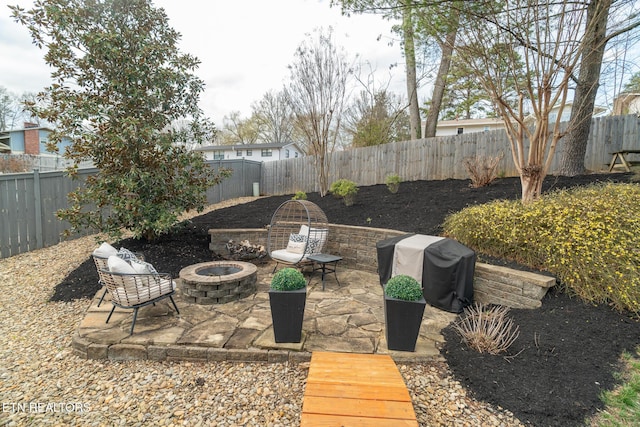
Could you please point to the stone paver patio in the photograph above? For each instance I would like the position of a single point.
(347, 318)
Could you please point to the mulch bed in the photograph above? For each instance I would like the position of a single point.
(567, 351)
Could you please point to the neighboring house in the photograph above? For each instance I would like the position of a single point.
(457, 127)
(32, 139)
(258, 152)
(627, 103)
(25, 149)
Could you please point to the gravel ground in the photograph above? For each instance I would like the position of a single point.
(43, 383)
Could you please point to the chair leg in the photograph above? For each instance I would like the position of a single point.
(112, 310)
(275, 267)
(174, 304)
(103, 295)
(135, 316)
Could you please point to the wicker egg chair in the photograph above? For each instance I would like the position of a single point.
(298, 228)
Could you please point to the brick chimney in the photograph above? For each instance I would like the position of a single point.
(31, 138)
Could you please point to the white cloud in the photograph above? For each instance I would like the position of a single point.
(244, 46)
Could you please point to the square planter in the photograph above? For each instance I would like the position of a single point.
(402, 320)
(287, 314)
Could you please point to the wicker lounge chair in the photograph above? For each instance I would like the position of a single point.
(298, 229)
(135, 288)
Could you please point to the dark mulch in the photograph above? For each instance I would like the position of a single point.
(554, 373)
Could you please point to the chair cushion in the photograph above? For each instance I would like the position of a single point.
(118, 265)
(140, 293)
(105, 250)
(286, 256)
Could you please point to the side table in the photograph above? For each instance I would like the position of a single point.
(328, 264)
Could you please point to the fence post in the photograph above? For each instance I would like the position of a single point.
(38, 208)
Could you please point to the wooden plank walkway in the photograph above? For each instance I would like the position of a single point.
(347, 389)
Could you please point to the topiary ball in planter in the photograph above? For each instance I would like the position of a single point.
(288, 279)
(403, 309)
(404, 287)
(287, 298)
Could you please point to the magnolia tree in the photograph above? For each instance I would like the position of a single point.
(317, 93)
(543, 41)
(119, 82)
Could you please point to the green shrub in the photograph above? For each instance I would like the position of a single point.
(393, 183)
(588, 237)
(288, 279)
(344, 189)
(403, 287)
(300, 195)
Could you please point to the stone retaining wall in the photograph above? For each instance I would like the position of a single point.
(357, 246)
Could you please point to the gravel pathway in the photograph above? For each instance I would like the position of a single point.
(43, 383)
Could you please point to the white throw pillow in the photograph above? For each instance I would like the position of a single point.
(140, 267)
(118, 265)
(105, 250)
(296, 247)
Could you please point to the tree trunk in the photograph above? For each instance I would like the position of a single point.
(439, 84)
(412, 82)
(531, 182)
(575, 143)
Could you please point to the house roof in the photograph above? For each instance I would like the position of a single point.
(235, 147)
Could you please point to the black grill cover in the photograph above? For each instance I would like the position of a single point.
(447, 272)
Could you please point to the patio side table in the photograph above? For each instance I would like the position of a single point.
(328, 264)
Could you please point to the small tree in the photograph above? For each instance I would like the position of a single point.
(119, 81)
(236, 130)
(545, 37)
(274, 116)
(317, 94)
(376, 116)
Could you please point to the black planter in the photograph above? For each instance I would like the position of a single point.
(287, 313)
(403, 320)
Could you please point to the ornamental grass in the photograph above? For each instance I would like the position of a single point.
(588, 237)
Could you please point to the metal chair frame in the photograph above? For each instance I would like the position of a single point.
(133, 291)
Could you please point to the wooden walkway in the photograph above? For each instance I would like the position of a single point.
(347, 389)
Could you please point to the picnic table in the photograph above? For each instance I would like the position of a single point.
(623, 156)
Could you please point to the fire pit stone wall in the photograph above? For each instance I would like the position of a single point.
(201, 286)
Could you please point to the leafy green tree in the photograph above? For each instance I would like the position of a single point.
(466, 98)
(377, 118)
(236, 130)
(633, 85)
(119, 81)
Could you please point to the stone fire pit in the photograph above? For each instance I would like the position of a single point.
(218, 282)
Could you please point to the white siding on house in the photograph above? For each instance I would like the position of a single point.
(257, 152)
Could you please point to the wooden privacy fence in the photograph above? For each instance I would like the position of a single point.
(440, 158)
(29, 201)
